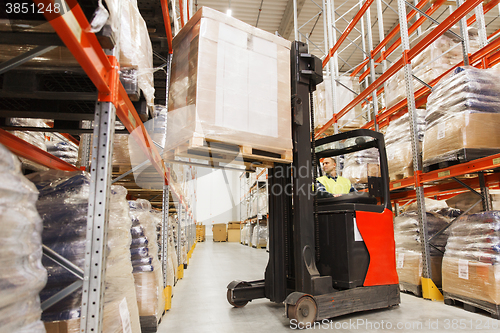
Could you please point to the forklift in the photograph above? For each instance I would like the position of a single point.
(328, 255)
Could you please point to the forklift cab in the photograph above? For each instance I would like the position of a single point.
(344, 254)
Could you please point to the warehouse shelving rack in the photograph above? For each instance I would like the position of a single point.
(442, 183)
(249, 187)
(111, 101)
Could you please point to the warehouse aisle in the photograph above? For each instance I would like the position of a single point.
(199, 303)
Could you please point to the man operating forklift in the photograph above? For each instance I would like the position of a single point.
(330, 182)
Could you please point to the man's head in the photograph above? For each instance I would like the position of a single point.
(329, 166)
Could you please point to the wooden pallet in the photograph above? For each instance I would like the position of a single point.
(221, 152)
(459, 156)
(200, 239)
(409, 288)
(472, 305)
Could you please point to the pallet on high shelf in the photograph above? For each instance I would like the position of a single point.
(459, 156)
(221, 152)
(472, 305)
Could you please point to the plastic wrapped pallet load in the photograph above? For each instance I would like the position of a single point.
(440, 56)
(63, 205)
(22, 275)
(409, 249)
(147, 268)
(471, 264)
(37, 139)
(346, 89)
(463, 116)
(398, 145)
(230, 83)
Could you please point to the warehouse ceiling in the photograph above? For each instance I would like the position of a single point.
(276, 16)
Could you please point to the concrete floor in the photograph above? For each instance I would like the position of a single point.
(199, 303)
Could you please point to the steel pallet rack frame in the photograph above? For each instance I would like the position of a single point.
(484, 58)
(71, 26)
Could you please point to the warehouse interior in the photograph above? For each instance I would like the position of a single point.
(243, 165)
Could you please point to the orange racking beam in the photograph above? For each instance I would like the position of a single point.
(347, 31)
(387, 39)
(458, 14)
(73, 29)
(486, 8)
(181, 9)
(167, 23)
(491, 180)
(477, 57)
(30, 152)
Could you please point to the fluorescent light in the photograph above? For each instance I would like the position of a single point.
(229, 12)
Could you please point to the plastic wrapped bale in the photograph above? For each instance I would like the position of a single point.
(37, 139)
(409, 250)
(218, 63)
(463, 116)
(146, 266)
(121, 154)
(120, 302)
(136, 51)
(345, 89)
(360, 165)
(22, 275)
(259, 236)
(184, 248)
(398, 145)
(63, 205)
(471, 264)
(66, 151)
(435, 60)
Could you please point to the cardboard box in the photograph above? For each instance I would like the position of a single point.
(233, 225)
(230, 83)
(233, 235)
(465, 130)
(220, 232)
(63, 326)
(473, 279)
(409, 267)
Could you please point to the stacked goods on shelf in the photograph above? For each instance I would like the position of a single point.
(218, 63)
(360, 165)
(233, 231)
(471, 264)
(37, 139)
(463, 117)
(258, 201)
(409, 249)
(244, 234)
(22, 275)
(436, 59)
(147, 269)
(172, 274)
(259, 236)
(66, 151)
(346, 87)
(184, 247)
(219, 232)
(121, 154)
(398, 145)
(63, 204)
(157, 216)
(200, 232)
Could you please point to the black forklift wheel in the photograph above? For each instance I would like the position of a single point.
(236, 304)
(304, 311)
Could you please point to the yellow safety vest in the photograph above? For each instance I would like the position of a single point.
(340, 186)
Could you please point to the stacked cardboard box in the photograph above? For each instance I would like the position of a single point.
(200, 232)
(471, 264)
(233, 231)
(463, 116)
(220, 232)
(408, 244)
(218, 63)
